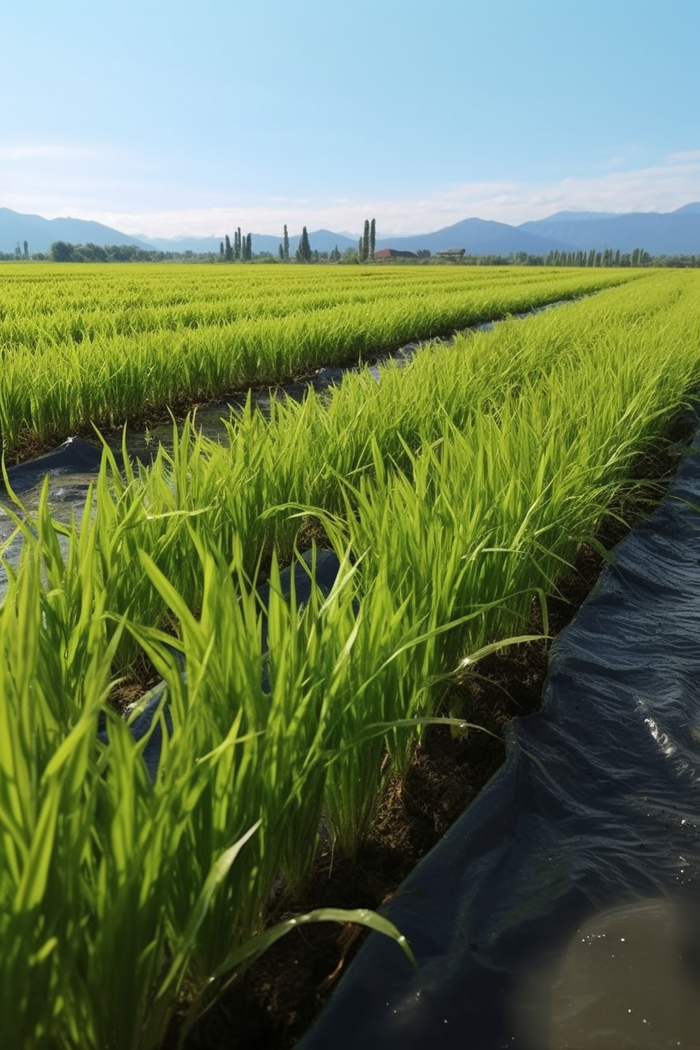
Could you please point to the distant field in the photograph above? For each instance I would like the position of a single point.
(104, 344)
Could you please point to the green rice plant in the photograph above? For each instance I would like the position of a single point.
(454, 492)
(240, 492)
(68, 363)
(49, 701)
(117, 891)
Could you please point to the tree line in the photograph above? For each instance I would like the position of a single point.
(638, 257)
(64, 251)
(240, 249)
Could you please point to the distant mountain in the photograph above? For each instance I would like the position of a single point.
(478, 237)
(320, 241)
(665, 233)
(672, 233)
(199, 245)
(40, 233)
(577, 216)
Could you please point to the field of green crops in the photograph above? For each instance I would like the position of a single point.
(103, 345)
(455, 491)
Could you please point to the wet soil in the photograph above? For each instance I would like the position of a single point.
(275, 1001)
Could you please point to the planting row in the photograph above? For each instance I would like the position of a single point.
(102, 349)
(453, 492)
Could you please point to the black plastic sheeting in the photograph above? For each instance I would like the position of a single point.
(73, 457)
(596, 808)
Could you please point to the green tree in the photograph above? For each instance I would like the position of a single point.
(364, 254)
(304, 253)
(61, 251)
(26, 250)
(285, 245)
(228, 250)
(372, 237)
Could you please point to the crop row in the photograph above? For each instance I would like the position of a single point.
(138, 298)
(453, 491)
(108, 362)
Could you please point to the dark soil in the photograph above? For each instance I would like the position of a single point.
(271, 1005)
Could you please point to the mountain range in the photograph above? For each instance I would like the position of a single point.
(659, 233)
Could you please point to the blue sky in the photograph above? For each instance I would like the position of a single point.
(169, 118)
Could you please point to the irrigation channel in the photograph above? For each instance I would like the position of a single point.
(73, 466)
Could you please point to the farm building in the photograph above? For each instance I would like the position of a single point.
(393, 253)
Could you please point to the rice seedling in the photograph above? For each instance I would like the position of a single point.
(117, 891)
(75, 352)
(453, 492)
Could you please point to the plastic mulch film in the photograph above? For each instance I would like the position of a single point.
(562, 910)
(74, 458)
(71, 469)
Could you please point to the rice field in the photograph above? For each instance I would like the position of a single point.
(454, 492)
(103, 345)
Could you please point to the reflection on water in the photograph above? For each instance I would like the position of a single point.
(630, 977)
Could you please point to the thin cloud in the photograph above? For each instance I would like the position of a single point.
(691, 155)
(663, 187)
(39, 151)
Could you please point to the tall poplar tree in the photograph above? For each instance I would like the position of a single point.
(365, 242)
(285, 244)
(304, 249)
(372, 237)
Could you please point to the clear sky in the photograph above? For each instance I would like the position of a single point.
(191, 117)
